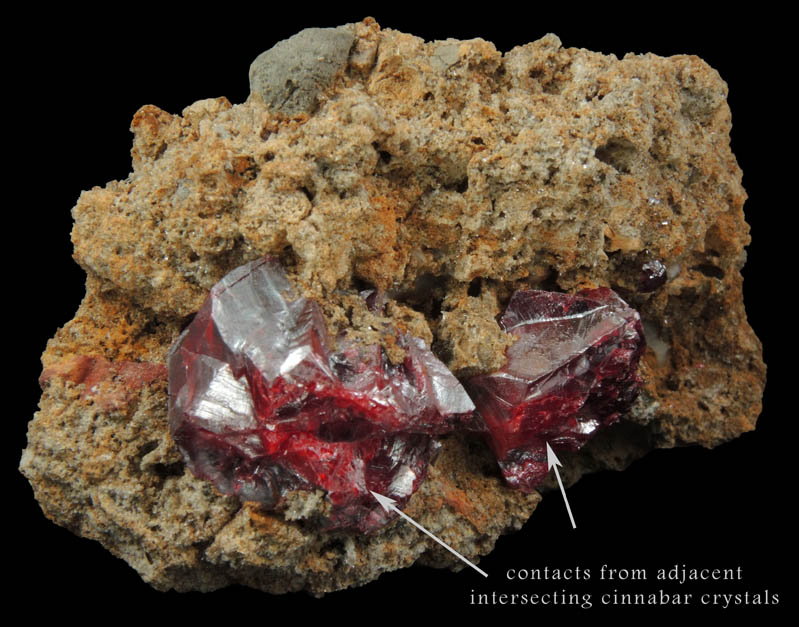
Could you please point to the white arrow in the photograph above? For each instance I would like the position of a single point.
(389, 505)
(554, 462)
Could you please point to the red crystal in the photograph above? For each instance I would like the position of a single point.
(653, 275)
(261, 404)
(571, 370)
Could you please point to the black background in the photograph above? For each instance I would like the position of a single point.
(76, 87)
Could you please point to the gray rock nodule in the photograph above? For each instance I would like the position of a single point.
(447, 174)
(290, 75)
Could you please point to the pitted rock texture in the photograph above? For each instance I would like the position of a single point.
(449, 175)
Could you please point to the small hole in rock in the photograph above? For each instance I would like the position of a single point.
(175, 469)
(475, 287)
(550, 283)
(460, 186)
(360, 284)
(709, 270)
(618, 153)
(289, 258)
(426, 296)
(336, 545)
(148, 447)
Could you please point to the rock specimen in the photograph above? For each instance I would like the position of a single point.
(572, 370)
(448, 175)
(261, 404)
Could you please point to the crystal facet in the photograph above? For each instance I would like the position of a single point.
(571, 370)
(261, 404)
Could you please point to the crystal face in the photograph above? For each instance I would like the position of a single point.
(260, 402)
(571, 370)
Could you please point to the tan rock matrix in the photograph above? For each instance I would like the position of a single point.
(448, 174)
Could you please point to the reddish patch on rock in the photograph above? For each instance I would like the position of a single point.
(111, 384)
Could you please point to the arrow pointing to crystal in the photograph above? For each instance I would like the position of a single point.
(389, 505)
(554, 462)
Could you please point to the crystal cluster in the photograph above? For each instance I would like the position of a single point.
(572, 369)
(261, 403)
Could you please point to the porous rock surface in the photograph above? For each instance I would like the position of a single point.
(449, 175)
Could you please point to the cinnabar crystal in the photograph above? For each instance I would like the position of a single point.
(653, 275)
(571, 370)
(260, 402)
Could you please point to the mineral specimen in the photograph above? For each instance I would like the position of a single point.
(573, 369)
(261, 404)
(448, 174)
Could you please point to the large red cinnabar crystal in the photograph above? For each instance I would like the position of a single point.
(572, 369)
(260, 403)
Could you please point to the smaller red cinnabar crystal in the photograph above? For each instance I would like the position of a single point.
(261, 404)
(653, 275)
(572, 369)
